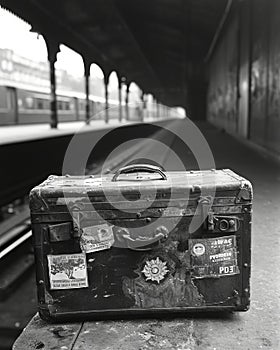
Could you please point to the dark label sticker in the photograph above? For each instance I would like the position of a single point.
(67, 271)
(214, 257)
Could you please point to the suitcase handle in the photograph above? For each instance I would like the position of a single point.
(139, 167)
(141, 243)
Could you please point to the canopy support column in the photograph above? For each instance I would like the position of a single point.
(127, 100)
(53, 50)
(106, 83)
(120, 99)
(87, 76)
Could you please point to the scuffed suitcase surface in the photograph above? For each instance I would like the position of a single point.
(107, 249)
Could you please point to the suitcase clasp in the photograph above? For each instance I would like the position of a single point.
(216, 223)
(206, 213)
(77, 231)
(60, 232)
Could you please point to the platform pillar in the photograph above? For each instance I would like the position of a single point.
(127, 101)
(142, 111)
(157, 106)
(53, 50)
(154, 104)
(106, 83)
(120, 99)
(87, 76)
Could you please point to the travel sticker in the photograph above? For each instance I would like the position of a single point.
(67, 271)
(213, 257)
(96, 238)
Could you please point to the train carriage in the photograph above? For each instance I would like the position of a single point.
(27, 106)
(23, 105)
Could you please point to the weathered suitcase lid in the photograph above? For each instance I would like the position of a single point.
(94, 185)
(129, 189)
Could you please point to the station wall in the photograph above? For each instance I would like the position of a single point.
(243, 94)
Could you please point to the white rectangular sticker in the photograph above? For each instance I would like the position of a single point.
(96, 238)
(67, 271)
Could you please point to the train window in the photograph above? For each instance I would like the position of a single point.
(3, 98)
(67, 106)
(20, 103)
(59, 105)
(29, 102)
(47, 104)
(97, 107)
(40, 104)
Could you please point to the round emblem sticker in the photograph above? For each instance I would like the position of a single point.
(155, 270)
(198, 249)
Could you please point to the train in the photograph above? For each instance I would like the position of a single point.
(26, 106)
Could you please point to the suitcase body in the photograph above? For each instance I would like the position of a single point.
(141, 241)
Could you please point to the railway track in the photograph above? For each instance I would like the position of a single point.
(15, 248)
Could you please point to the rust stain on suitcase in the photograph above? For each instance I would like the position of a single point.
(163, 280)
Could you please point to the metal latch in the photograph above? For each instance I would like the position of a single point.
(60, 232)
(216, 223)
(226, 223)
(77, 231)
(206, 213)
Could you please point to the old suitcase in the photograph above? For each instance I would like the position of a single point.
(140, 241)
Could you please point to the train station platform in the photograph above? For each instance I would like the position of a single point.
(257, 328)
(20, 133)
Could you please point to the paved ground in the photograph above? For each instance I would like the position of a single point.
(256, 329)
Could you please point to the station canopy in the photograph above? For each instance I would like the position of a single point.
(158, 44)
